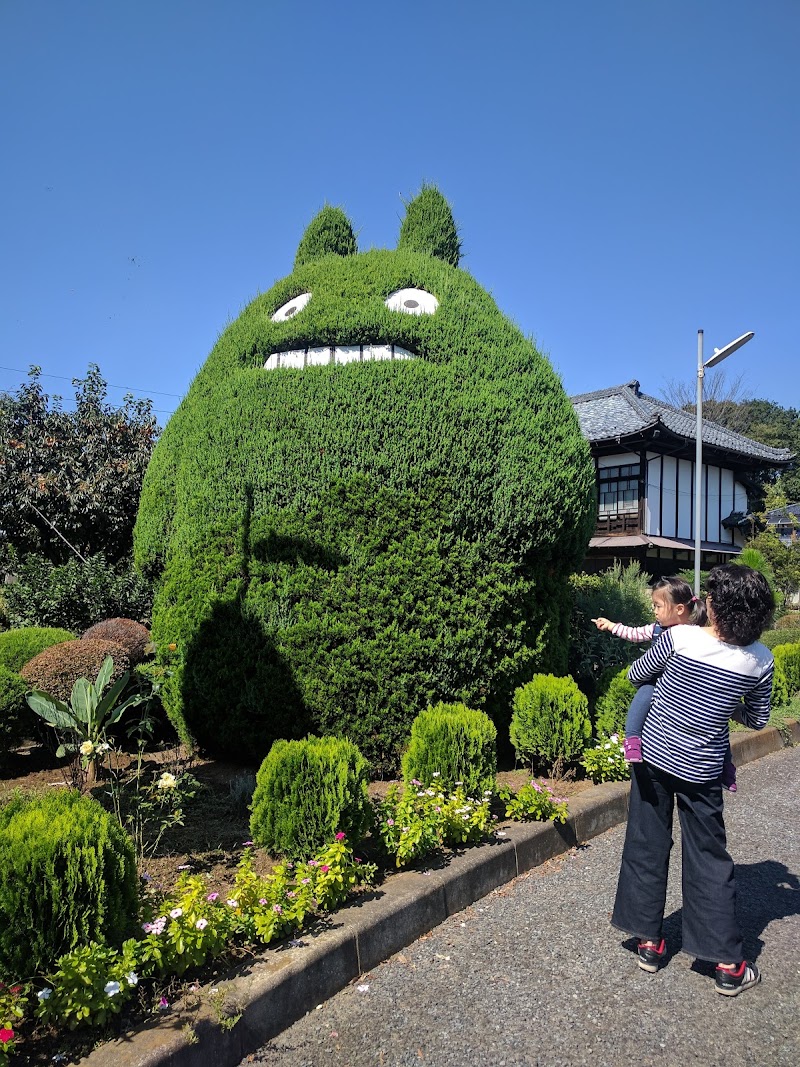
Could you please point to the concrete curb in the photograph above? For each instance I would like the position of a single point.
(284, 983)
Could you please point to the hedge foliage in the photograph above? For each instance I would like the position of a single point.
(133, 637)
(550, 722)
(56, 670)
(786, 680)
(773, 638)
(17, 647)
(67, 877)
(307, 791)
(612, 705)
(452, 745)
(16, 718)
(789, 621)
(339, 547)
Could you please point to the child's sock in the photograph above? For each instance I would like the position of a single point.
(632, 749)
(728, 777)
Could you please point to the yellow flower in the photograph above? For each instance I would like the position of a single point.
(87, 748)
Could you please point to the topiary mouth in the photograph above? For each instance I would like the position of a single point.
(299, 358)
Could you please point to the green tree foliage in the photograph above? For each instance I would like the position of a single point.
(612, 705)
(329, 232)
(339, 547)
(79, 469)
(428, 226)
(450, 744)
(550, 722)
(306, 792)
(67, 877)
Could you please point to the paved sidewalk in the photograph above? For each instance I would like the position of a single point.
(533, 974)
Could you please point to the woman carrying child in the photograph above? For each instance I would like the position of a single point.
(703, 677)
(674, 604)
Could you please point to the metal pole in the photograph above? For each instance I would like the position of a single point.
(698, 463)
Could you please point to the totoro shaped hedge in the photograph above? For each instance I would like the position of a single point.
(368, 502)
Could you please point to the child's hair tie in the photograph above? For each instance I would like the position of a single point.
(693, 600)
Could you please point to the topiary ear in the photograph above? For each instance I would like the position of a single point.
(329, 231)
(429, 227)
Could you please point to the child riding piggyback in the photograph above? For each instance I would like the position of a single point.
(674, 604)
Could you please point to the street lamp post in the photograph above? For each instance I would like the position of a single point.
(719, 355)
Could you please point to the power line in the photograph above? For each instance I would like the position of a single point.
(130, 388)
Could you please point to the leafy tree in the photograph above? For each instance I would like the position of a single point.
(72, 475)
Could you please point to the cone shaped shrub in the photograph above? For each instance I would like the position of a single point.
(612, 705)
(550, 720)
(451, 743)
(306, 792)
(18, 647)
(67, 877)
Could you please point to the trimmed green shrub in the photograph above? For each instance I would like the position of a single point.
(789, 621)
(329, 232)
(18, 647)
(339, 546)
(612, 705)
(133, 637)
(550, 720)
(307, 791)
(786, 680)
(451, 743)
(773, 638)
(16, 720)
(56, 670)
(67, 877)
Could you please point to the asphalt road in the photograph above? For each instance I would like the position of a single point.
(534, 974)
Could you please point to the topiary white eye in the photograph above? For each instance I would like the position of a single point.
(412, 301)
(291, 307)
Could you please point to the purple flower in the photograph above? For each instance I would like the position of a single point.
(340, 836)
(390, 822)
(212, 897)
(247, 844)
(305, 881)
(277, 909)
(163, 1004)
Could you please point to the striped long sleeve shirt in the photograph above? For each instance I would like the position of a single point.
(637, 634)
(700, 682)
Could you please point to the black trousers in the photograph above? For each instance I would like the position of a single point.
(710, 929)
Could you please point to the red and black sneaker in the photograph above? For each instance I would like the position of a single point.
(652, 954)
(731, 981)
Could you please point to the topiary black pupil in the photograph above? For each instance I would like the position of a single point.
(411, 303)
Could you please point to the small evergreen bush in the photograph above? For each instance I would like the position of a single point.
(789, 621)
(18, 647)
(133, 637)
(16, 721)
(550, 720)
(67, 877)
(612, 705)
(773, 638)
(56, 670)
(786, 680)
(450, 744)
(306, 791)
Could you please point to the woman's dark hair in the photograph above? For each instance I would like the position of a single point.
(742, 603)
(680, 592)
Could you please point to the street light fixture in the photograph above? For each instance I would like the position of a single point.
(719, 355)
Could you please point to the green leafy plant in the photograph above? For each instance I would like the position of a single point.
(90, 713)
(534, 801)
(786, 679)
(67, 875)
(612, 705)
(15, 716)
(89, 985)
(421, 820)
(13, 1006)
(550, 720)
(786, 636)
(308, 790)
(454, 745)
(606, 761)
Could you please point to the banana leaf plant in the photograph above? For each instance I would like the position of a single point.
(90, 713)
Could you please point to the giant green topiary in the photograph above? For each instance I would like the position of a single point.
(340, 544)
(67, 877)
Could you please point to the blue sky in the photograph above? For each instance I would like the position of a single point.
(623, 173)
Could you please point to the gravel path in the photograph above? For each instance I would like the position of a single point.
(534, 974)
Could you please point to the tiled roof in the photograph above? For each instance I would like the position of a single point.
(623, 411)
(783, 515)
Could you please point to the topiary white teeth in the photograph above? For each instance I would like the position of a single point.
(298, 358)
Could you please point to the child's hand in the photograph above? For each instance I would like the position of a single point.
(603, 624)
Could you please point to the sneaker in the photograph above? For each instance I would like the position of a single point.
(651, 956)
(728, 777)
(731, 981)
(632, 749)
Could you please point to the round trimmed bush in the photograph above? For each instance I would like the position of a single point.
(789, 621)
(550, 720)
(773, 638)
(451, 743)
(56, 670)
(16, 718)
(306, 792)
(18, 647)
(612, 705)
(67, 877)
(133, 637)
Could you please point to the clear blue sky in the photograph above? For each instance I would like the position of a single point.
(623, 172)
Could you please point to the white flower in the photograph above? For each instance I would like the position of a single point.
(132, 978)
(44, 994)
(103, 746)
(111, 988)
(436, 774)
(176, 913)
(167, 781)
(232, 903)
(201, 924)
(87, 748)
(607, 745)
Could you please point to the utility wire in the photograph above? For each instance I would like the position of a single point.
(64, 378)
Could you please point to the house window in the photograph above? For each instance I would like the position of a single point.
(618, 488)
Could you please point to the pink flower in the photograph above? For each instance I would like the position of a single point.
(212, 897)
(277, 909)
(163, 1004)
(262, 901)
(340, 836)
(247, 844)
(201, 924)
(6, 1035)
(390, 822)
(305, 881)
(324, 868)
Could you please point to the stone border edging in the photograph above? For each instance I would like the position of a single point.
(284, 983)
